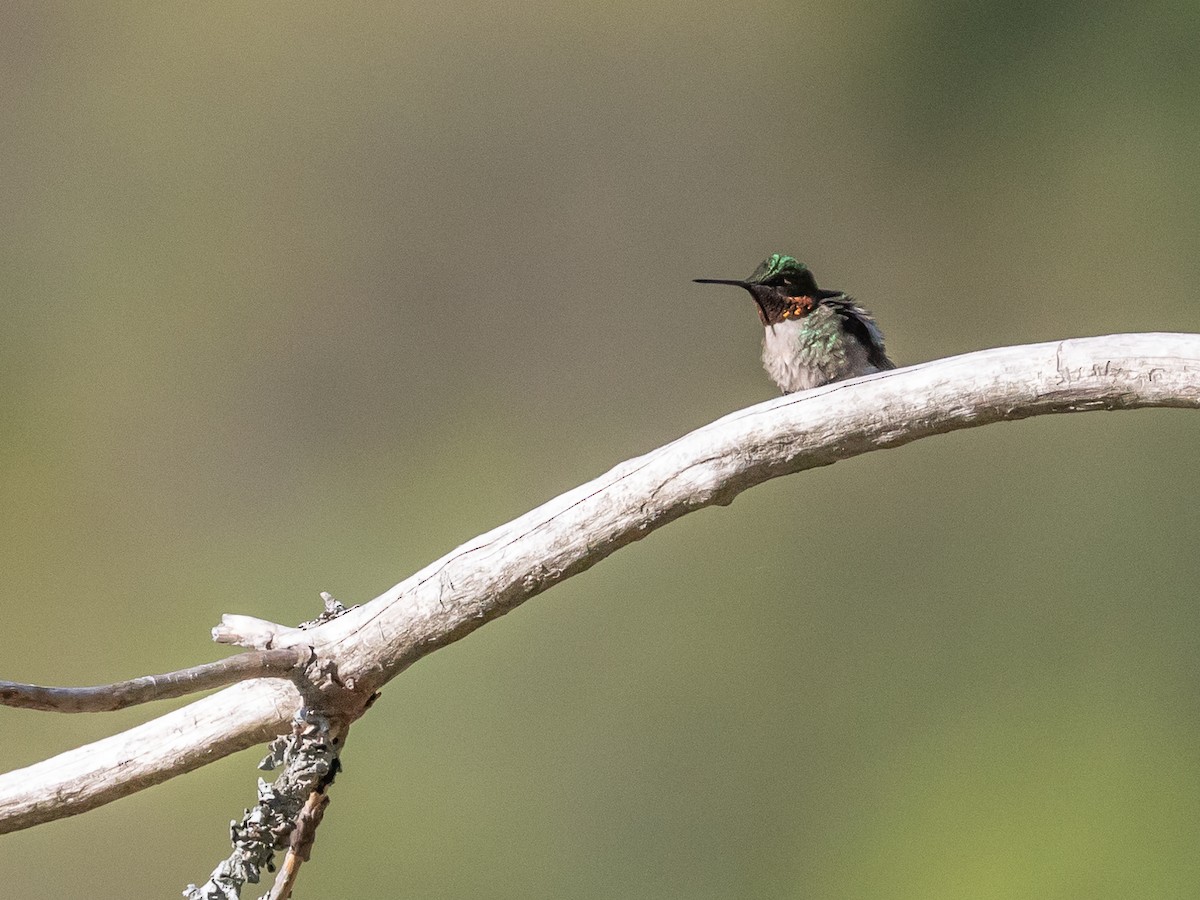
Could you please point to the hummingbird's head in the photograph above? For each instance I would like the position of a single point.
(782, 288)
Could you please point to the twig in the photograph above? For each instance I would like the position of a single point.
(300, 845)
(108, 697)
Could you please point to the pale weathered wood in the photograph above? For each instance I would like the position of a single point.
(497, 571)
(73, 782)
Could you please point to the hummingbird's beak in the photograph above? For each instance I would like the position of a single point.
(745, 285)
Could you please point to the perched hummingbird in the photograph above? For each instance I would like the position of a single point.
(814, 336)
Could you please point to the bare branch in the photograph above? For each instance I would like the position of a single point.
(497, 571)
(300, 845)
(122, 694)
(238, 717)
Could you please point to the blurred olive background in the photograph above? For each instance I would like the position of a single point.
(301, 296)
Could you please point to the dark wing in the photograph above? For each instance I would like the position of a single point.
(859, 323)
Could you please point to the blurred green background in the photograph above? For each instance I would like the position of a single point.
(300, 296)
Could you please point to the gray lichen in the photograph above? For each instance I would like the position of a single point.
(309, 760)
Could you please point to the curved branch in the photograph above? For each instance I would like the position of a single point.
(497, 571)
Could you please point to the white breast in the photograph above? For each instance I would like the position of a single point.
(785, 363)
(802, 354)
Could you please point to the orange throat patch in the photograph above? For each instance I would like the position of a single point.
(800, 307)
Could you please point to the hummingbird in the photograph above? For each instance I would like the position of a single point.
(813, 336)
